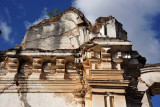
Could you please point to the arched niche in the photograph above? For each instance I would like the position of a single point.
(48, 68)
(24, 69)
(3, 68)
(71, 71)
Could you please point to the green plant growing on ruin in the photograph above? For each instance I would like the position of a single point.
(53, 12)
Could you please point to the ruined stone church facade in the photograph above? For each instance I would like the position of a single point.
(65, 61)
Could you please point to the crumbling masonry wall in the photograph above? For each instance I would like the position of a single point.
(65, 61)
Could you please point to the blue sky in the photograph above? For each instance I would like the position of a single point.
(140, 18)
(14, 14)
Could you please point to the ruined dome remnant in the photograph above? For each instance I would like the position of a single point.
(65, 61)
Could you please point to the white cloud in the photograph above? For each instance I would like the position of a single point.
(6, 31)
(42, 17)
(135, 15)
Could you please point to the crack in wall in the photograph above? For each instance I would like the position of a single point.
(21, 82)
(23, 94)
(6, 88)
(52, 35)
(140, 80)
(71, 41)
(77, 37)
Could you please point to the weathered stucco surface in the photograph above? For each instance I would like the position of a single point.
(66, 33)
(70, 31)
(37, 100)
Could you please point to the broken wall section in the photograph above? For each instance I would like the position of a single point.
(70, 30)
(109, 27)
